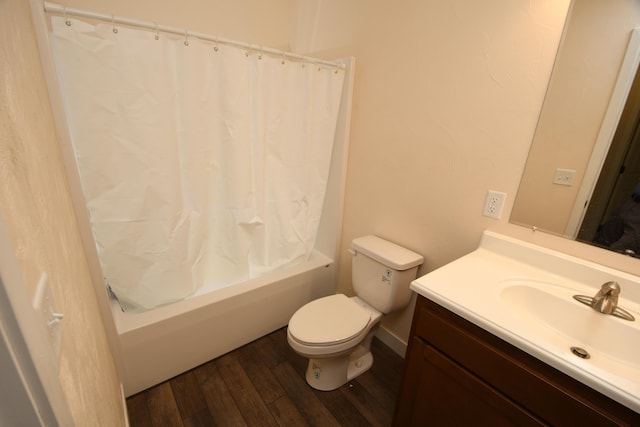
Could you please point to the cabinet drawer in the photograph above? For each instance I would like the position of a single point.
(553, 396)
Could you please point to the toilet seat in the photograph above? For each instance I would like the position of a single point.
(329, 321)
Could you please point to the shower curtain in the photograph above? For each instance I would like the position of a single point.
(200, 163)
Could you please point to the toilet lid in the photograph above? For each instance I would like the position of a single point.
(328, 321)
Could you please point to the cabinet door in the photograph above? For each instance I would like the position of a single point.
(438, 392)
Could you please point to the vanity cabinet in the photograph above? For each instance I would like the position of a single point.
(457, 374)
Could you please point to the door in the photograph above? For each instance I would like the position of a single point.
(621, 169)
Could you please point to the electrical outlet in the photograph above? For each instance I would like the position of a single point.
(493, 204)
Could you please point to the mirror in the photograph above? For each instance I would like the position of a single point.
(571, 183)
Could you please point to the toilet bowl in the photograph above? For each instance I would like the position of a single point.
(338, 347)
(335, 332)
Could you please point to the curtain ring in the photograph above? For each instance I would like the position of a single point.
(157, 35)
(113, 22)
(186, 37)
(215, 45)
(283, 57)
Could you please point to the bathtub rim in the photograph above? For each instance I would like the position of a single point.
(126, 322)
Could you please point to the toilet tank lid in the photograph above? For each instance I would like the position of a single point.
(387, 253)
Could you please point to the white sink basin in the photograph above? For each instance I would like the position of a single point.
(551, 309)
(523, 294)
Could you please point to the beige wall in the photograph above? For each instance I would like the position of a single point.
(446, 102)
(447, 99)
(578, 97)
(35, 205)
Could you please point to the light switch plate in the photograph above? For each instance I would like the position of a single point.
(45, 307)
(564, 176)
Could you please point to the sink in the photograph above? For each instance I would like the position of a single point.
(553, 307)
(523, 294)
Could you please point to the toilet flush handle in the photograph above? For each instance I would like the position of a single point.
(352, 252)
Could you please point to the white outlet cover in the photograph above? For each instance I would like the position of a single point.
(493, 204)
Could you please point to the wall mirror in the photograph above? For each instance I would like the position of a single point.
(584, 163)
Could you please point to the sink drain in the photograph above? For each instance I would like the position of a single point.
(580, 352)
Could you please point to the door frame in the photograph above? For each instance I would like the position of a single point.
(24, 342)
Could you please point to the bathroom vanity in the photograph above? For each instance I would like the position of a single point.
(459, 374)
(492, 337)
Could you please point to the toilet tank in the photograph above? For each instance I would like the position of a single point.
(382, 271)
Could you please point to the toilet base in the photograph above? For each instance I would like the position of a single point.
(330, 373)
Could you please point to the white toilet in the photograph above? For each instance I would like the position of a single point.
(335, 332)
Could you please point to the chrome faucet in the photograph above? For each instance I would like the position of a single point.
(606, 301)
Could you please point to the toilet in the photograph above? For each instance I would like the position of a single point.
(335, 332)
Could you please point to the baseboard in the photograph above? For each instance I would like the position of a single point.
(392, 341)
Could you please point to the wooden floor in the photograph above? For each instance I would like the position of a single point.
(262, 384)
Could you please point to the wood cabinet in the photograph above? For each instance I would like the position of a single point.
(457, 374)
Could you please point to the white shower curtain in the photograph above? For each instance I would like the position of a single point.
(200, 163)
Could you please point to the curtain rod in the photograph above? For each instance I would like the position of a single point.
(69, 11)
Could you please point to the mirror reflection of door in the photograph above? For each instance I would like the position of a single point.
(620, 172)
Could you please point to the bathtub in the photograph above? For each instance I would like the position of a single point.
(161, 343)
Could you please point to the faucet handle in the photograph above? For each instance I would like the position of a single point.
(606, 301)
(610, 289)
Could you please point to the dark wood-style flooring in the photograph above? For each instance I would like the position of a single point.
(262, 384)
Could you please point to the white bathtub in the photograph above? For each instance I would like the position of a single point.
(158, 344)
